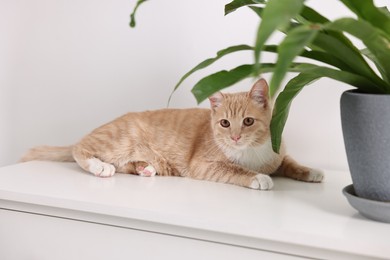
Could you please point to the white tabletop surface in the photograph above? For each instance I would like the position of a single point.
(314, 215)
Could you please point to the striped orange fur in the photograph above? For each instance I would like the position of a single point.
(229, 143)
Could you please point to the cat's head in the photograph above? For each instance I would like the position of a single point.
(241, 120)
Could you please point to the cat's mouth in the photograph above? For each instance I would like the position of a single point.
(233, 144)
(239, 145)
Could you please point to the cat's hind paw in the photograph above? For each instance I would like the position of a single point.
(101, 169)
(261, 182)
(148, 171)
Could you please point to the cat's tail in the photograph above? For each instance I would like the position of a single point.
(49, 153)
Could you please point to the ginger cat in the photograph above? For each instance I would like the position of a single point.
(229, 143)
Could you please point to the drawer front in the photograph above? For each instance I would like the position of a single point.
(32, 236)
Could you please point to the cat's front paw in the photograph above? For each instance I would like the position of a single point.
(315, 176)
(261, 182)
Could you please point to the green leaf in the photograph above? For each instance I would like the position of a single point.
(276, 14)
(132, 15)
(210, 61)
(258, 10)
(385, 10)
(362, 83)
(366, 52)
(309, 74)
(220, 80)
(313, 16)
(315, 55)
(320, 56)
(332, 46)
(326, 58)
(367, 11)
(283, 28)
(293, 45)
(349, 54)
(375, 40)
(282, 106)
(234, 5)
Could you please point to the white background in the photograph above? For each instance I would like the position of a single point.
(68, 66)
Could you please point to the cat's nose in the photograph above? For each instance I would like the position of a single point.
(235, 138)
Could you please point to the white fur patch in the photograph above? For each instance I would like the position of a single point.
(253, 157)
(262, 182)
(315, 175)
(100, 169)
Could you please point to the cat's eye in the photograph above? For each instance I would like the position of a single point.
(248, 121)
(224, 123)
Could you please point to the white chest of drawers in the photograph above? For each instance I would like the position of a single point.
(56, 211)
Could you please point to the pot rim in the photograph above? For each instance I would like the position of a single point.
(357, 92)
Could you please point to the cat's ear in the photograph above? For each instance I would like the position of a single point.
(259, 92)
(216, 100)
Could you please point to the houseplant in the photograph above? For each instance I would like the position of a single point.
(311, 35)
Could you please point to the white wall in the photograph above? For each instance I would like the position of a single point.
(68, 66)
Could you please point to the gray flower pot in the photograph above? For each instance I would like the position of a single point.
(366, 128)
